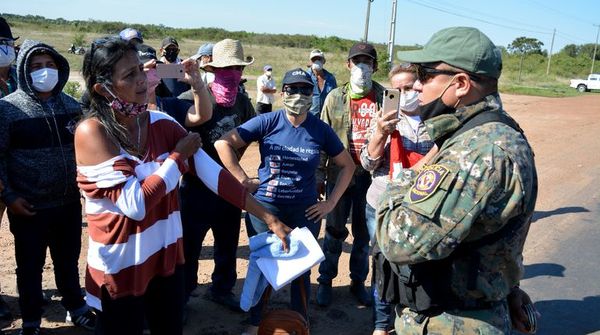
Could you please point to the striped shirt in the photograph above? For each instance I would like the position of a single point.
(132, 210)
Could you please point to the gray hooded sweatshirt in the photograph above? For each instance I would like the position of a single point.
(37, 157)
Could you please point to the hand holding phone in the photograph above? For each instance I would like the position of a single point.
(170, 71)
(391, 100)
(391, 107)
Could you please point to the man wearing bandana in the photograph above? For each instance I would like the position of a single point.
(349, 110)
(455, 230)
(230, 109)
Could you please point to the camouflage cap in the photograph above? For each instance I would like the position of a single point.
(463, 47)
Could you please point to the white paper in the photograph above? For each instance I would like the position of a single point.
(281, 271)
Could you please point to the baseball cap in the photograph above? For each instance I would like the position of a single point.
(205, 49)
(362, 48)
(5, 30)
(128, 34)
(296, 76)
(463, 47)
(317, 53)
(146, 53)
(169, 40)
(267, 68)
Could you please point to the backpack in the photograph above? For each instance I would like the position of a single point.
(283, 321)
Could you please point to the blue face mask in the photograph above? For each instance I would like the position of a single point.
(44, 80)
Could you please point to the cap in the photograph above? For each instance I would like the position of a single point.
(463, 47)
(5, 30)
(316, 53)
(169, 41)
(362, 48)
(267, 68)
(296, 76)
(146, 53)
(205, 49)
(128, 34)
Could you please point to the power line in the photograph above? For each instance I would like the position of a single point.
(477, 19)
(561, 12)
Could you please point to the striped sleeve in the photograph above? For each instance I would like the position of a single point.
(219, 180)
(116, 180)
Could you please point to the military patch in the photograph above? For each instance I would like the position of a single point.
(427, 182)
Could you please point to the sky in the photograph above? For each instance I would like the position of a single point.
(575, 21)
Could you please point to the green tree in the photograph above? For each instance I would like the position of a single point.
(571, 50)
(525, 46)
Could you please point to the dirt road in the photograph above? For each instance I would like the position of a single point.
(565, 134)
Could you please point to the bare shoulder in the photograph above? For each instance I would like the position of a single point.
(92, 143)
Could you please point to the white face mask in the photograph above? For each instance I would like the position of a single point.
(269, 73)
(360, 78)
(317, 65)
(409, 101)
(44, 80)
(7, 55)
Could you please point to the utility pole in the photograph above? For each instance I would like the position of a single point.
(392, 33)
(367, 20)
(595, 47)
(550, 53)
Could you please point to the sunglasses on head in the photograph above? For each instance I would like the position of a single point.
(425, 73)
(304, 90)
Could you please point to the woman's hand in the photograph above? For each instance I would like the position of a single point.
(192, 74)
(386, 124)
(188, 145)
(251, 184)
(280, 229)
(319, 210)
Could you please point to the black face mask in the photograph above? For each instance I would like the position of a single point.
(435, 108)
(171, 55)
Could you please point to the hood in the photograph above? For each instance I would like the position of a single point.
(23, 73)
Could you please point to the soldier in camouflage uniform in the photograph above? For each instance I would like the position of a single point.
(466, 214)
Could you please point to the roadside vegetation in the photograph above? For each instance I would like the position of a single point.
(525, 62)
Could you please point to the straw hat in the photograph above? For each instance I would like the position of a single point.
(228, 52)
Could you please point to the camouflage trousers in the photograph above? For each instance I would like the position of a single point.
(493, 321)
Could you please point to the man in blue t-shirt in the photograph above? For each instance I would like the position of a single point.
(323, 81)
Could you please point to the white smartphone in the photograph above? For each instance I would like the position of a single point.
(170, 71)
(391, 100)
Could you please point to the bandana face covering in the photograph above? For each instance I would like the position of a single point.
(297, 104)
(127, 109)
(225, 86)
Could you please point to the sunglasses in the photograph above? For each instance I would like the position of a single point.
(424, 73)
(304, 90)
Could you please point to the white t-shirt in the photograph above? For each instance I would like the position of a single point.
(264, 81)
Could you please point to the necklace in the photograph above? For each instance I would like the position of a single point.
(139, 135)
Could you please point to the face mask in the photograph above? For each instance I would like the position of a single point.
(297, 104)
(225, 86)
(44, 80)
(152, 79)
(360, 79)
(269, 73)
(171, 55)
(437, 107)
(128, 109)
(317, 65)
(7, 55)
(409, 101)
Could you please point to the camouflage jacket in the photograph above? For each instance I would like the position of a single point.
(477, 182)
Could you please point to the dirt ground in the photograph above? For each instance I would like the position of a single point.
(557, 128)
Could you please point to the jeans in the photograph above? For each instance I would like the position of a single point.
(57, 229)
(383, 317)
(292, 216)
(335, 233)
(202, 210)
(161, 305)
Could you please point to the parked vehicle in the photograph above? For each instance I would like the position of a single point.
(582, 85)
(76, 50)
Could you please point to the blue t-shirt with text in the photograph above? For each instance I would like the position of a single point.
(289, 155)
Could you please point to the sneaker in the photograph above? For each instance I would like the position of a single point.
(86, 320)
(227, 300)
(5, 313)
(360, 292)
(31, 331)
(324, 293)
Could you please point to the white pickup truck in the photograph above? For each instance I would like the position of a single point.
(582, 85)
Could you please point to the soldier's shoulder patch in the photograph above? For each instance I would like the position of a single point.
(427, 182)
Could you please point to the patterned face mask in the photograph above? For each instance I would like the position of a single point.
(128, 109)
(225, 86)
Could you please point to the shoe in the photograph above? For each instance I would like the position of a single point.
(324, 293)
(86, 320)
(227, 300)
(5, 313)
(360, 292)
(31, 331)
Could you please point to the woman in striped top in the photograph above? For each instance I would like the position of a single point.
(129, 164)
